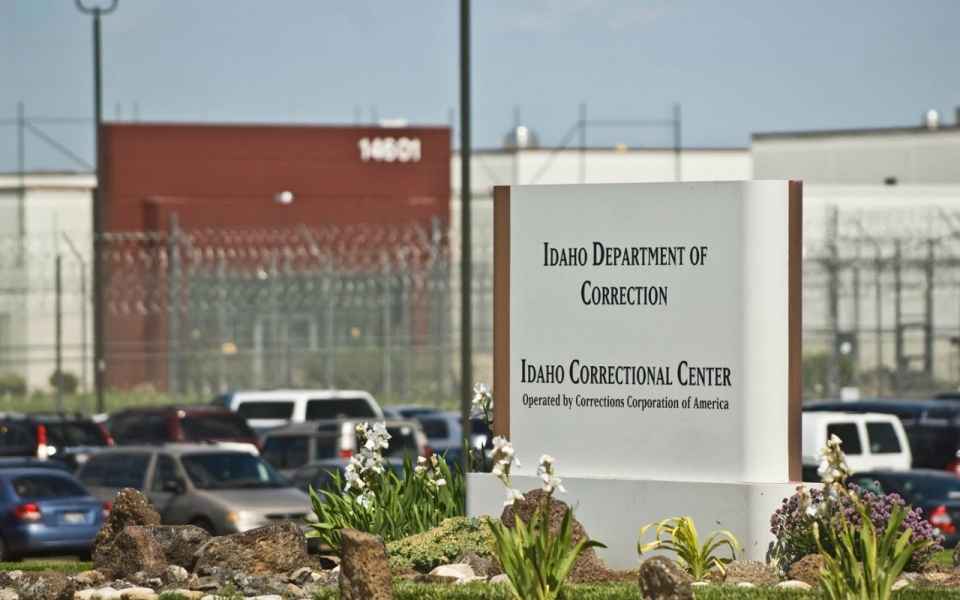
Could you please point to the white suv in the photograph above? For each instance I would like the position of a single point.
(265, 410)
(871, 441)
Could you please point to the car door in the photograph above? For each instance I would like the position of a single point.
(167, 491)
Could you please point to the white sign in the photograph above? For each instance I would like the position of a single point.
(388, 149)
(650, 328)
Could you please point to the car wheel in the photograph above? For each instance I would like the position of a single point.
(5, 554)
(204, 524)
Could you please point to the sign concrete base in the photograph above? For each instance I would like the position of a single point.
(614, 510)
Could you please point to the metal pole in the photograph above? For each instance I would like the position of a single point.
(22, 188)
(466, 321)
(98, 208)
(928, 314)
(897, 318)
(58, 372)
(856, 324)
(677, 142)
(832, 303)
(878, 299)
(583, 142)
(83, 310)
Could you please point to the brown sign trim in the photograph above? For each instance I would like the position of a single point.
(501, 319)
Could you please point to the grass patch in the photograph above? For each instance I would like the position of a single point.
(943, 558)
(64, 566)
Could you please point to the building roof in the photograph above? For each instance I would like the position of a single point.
(820, 133)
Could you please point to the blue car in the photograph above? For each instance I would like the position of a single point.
(44, 511)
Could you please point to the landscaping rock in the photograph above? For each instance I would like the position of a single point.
(899, 584)
(444, 544)
(179, 542)
(175, 575)
(588, 568)
(750, 571)
(130, 507)
(187, 594)
(500, 579)
(956, 556)
(138, 593)
(305, 575)
(278, 548)
(89, 579)
(9, 594)
(793, 584)
(482, 566)
(45, 585)
(746, 584)
(662, 579)
(364, 570)
(452, 573)
(131, 551)
(807, 569)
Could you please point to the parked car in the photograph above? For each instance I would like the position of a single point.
(871, 441)
(162, 425)
(444, 434)
(63, 438)
(291, 447)
(46, 511)
(319, 474)
(932, 427)
(22, 462)
(265, 410)
(220, 490)
(936, 492)
(408, 411)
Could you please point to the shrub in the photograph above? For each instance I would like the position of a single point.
(12, 384)
(374, 499)
(679, 535)
(792, 524)
(441, 545)
(68, 382)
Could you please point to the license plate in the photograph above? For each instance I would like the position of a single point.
(74, 518)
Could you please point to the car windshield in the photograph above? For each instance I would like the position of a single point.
(266, 409)
(215, 426)
(75, 433)
(42, 487)
(230, 471)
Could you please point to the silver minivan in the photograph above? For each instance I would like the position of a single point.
(220, 490)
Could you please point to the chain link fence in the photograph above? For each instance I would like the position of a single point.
(192, 313)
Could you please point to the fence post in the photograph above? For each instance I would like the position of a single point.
(173, 307)
(878, 299)
(832, 303)
(58, 372)
(387, 334)
(221, 323)
(897, 317)
(928, 314)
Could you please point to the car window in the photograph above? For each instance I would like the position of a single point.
(75, 433)
(286, 451)
(870, 484)
(435, 429)
(41, 487)
(848, 434)
(326, 446)
(403, 442)
(142, 428)
(116, 470)
(230, 471)
(215, 426)
(17, 435)
(336, 408)
(164, 471)
(882, 438)
(254, 409)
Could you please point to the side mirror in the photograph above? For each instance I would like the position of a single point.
(174, 486)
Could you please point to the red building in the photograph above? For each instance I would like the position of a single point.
(237, 178)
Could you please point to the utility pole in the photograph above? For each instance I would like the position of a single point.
(99, 354)
(466, 254)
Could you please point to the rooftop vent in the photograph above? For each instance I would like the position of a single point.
(520, 137)
(931, 119)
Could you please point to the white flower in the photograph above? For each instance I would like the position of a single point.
(499, 442)
(513, 495)
(421, 460)
(497, 470)
(480, 391)
(546, 459)
(440, 482)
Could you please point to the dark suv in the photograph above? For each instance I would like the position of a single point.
(63, 438)
(161, 425)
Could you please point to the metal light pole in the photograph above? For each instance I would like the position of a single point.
(99, 358)
(466, 295)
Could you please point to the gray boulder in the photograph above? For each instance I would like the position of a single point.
(274, 549)
(662, 579)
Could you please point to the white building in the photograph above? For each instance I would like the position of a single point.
(43, 215)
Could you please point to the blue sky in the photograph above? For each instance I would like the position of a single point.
(736, 66)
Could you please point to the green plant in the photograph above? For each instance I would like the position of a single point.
(375, 499)
(444, 544)
(12, 384)
(679, 535)
(859, 564)
(535, 560)
(67, 382)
